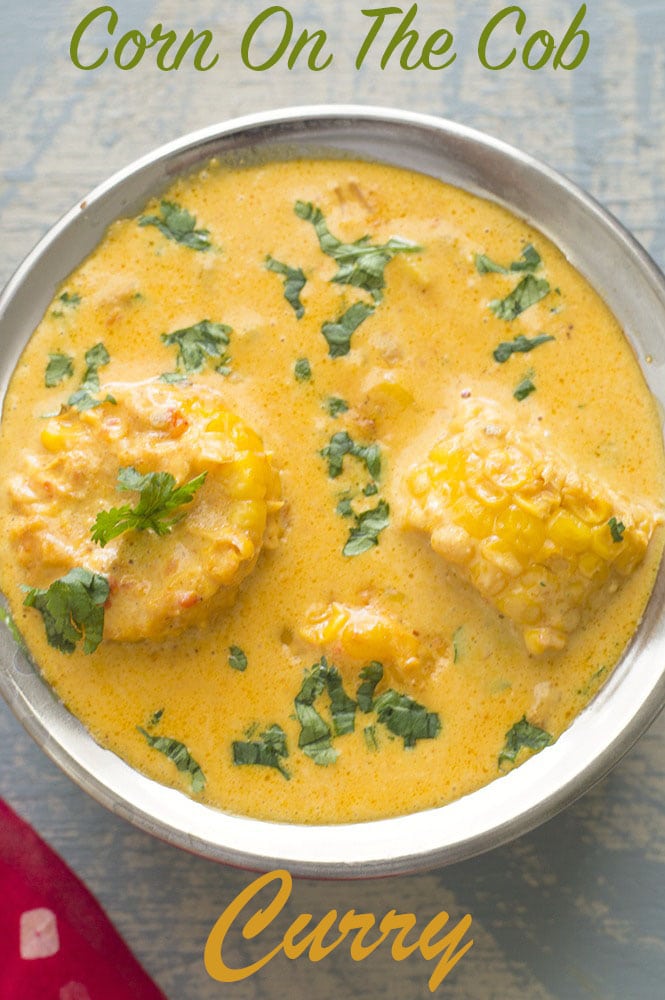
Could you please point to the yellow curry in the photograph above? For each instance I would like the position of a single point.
(317, 501)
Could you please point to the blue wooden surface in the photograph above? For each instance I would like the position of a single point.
(573, 910)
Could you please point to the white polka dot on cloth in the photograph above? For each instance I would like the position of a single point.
(73, 991)
(38, 934)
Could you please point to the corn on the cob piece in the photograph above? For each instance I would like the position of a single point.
(359, 634)
(158, 584)
(538, 541)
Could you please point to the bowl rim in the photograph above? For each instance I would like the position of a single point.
(635, 691)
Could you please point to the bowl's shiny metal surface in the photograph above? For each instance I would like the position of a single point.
(634, 289)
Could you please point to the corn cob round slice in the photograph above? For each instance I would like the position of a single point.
(159, 584)
(539, 541)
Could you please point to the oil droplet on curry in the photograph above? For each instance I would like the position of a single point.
(318, 502)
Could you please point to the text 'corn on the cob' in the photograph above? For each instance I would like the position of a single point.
(538, 541)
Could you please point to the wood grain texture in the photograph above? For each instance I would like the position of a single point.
(573, 910)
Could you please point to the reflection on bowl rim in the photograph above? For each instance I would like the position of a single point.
(634, 289)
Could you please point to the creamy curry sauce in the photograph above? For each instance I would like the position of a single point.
(212, 628)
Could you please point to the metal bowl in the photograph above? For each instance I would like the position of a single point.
(633, 287)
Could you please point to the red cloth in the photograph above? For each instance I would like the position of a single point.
(56, 943)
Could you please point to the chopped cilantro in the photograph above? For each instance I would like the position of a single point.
(342, 708)
(529, 261)
(197, 343)
(617, 529)
(294, 282)
(155, 717)
(371, 490)
(338, 333)
(267, 751)
(365, 534)
(371, 741)
(342, 444)
(370, 677)
(520, 345)
(59, 367)
(406, 718)
(72, 609)
(7, 618)
(83, 399)
(524, 389)
(237, 658)
(523, 734)
(344, 508)
(529, 291)
(180, 755)
(176, 223)
(360, 264)
(173, 378)
(315, 736)
(336, 405)
(302, 370)
(159, 497)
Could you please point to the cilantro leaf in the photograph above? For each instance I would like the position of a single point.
(266, 751)
(72, 609)
(617, 529)
(370, 677)
(529, 261)
(180, 755)
(361, 264)
(59, 367)
(7, 618)
(198, 343)
(344, 508)
(529, 291)
(302, 370)
(338, 333)
(159, 497)
(294, 282)
(176, 223)
(155, 717)
(524, 389)
(520, 345)
(237, 658)
(523, 734)
(336, 405)
(406, 718)
(315, 736)
(342, 444)
(365, 534)
(83, 399)
(342, 707)
(371, 741)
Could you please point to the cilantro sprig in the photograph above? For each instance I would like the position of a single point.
(84, 398)
(157, 507)
(72, 609)
(198, 343)
(529, 291)
(338, 332)
(520, 345)
(529, 261)
(267, 751)
(405, 717)
(177, 224)
(60, 367)
(361, 264)
(294, 282)
(523, 735)
(369, 525)
(342, 444)
(180, 755)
